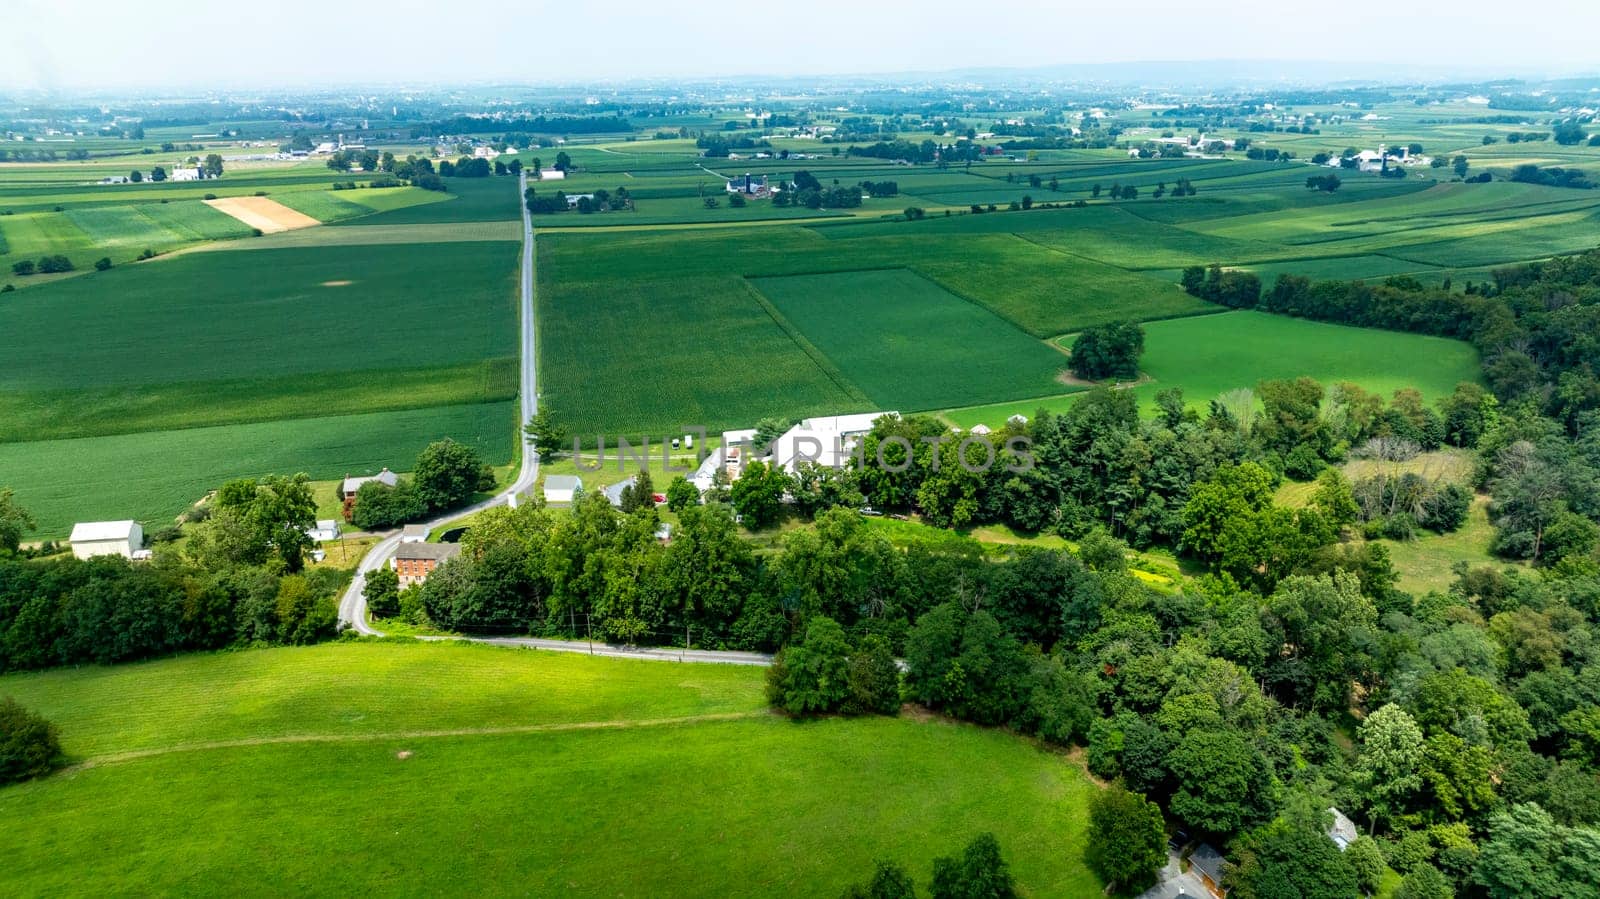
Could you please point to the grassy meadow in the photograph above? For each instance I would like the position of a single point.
(354, 765)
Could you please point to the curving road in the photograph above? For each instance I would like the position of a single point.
(353, 605)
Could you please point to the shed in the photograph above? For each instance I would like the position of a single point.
(414, 533)
(106, 538)
(326, 529)
(562, 488)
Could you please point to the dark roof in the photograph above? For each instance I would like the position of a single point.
(436, 551)
(1208, 861)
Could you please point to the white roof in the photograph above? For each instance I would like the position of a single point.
(562, 482)
(859, 423)
(415, 530)
(386, 476)
(95, 531)
(327, 524)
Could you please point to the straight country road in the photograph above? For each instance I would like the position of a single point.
(353, 605)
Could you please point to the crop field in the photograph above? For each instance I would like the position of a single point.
(133, 391)
(351, 765)
(908, 344)
(663, 305)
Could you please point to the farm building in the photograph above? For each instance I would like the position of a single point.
(562, 488)
(106, 538)
(573, 199)
(552, 175)
(827, 440)
(326, 529)
(414, 533)
(749, 185)
(186, 173)
(413, 562)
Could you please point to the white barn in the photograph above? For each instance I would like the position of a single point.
(562, 488)
(106, 538)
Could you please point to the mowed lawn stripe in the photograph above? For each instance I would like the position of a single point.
(911, 345)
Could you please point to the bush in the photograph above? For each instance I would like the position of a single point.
(29, 746)
(103, 263)
(23, 267)
(874, 678)
(8, 288)
(209, 197)
(55, 265)
(1303, 464)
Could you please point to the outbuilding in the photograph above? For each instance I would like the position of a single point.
(106, 538)
(414, 533)
(562, 488)
(327, 529)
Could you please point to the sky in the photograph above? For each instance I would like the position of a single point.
(108, 45)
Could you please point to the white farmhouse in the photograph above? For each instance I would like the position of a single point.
(106, 538)
(326, 529)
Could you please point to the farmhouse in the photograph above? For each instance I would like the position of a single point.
(187, 173)
(614, 492)
(326, 529)
(562, 488)
(484, 153)
(106, 538)
(351, 485)
(572, 199)
(413, 562)
(827, 440)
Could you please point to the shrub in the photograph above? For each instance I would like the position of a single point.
(29, 746)
(23, 267)
(874, 678)
(210, 196)
(54, 265)
(8, 288)
(103, 263)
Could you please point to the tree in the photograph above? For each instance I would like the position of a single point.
(1389, 764)
(549, 436)
(212, 166)
(1223, 782)
(980, 873)
(383, 592)
(1528, 854)
(681, 494)
(1367, 860)
(14, 522)
(1127, 839)
(29, 745)
(1108, 351)
(1292, 859)
(158, 174)
(1424, 882)
(136, 176)
(640, 494)
(103, 263)
(889, 881)
(758, 494)
(272, 514)
(563, 161)
(812, 676)
(448, 473)
(874, 678)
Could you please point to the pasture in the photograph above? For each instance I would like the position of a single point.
(551, 773)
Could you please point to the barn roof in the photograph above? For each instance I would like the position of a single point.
(92, 531)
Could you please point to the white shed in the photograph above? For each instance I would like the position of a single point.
(106, 538)
(414, 533)
(561, 488)
(326, 529)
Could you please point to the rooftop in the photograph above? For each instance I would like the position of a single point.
(562, 482)
(91, 531)
(436, 551)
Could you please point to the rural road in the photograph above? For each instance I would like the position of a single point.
(353, 605)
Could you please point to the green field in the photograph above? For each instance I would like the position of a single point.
(1212, 354)
(527, 772)
(154, 475)
(909, 344)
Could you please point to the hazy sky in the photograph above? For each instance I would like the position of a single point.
(110, 44)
